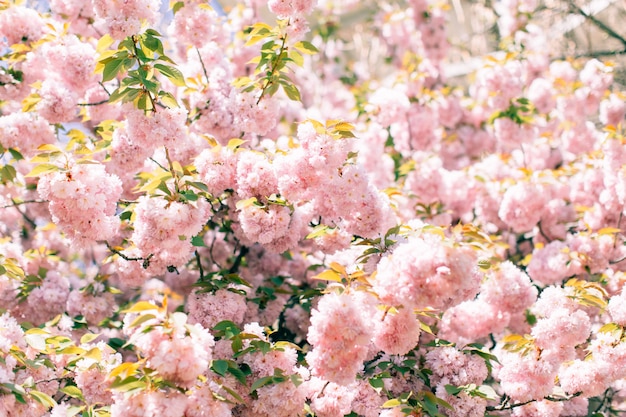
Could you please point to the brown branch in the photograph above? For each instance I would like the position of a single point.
(30, 221)
(19, 203)
(598, 23)
(146, 261)
(203, 67)
(592, 54)
(98, 103)
(504, 405)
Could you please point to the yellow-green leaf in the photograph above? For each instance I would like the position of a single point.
(306, 47)
(318, 231)
(339, 268)
(42, 398)
(329, 275)
(609, 231)
(89, 337)
(168, 100)
(42, 169)
(241, 204)
(104, 43)
(125, 369)
(141, 306)
(235, 143)
(172, 73)
(394, 402)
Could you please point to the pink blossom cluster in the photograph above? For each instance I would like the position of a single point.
(125, 18)
(163, 229)
(339, 335)
(82, 201)
(427, 271)
(178, 351)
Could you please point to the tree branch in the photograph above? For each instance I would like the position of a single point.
(506, 406)
(598, 23)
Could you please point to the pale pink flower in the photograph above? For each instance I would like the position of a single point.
(340, 335)
(550, 264)
(451, 366)
(427, 272)
(527, 377)
(543, 408)
(589, 377)
(83, 201)
(123, 19)
(330, 399)
(21, 24)
(472, 320)
(612, 110)
(209, 309)
(217, 168)
(396, 333)
(25, 131)
(149, 404)
(562, 329)
(617, 308)
(57, 104)
(202, 403)
(164, 228)
(522, 206)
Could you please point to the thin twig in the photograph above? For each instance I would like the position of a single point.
(504, 405)
(19, 203)
(104, 88)
(203, 67)
(198, 260)
(598, 23)
(146, 261)
(237, 263)
(28, 219)
(592, 54)
(98, 103)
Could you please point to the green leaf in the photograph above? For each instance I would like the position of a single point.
(197, 241)
(8, 173)
(306, 48)
(168, 99)
(112, 68)
(177, 6)
(153, 44)
(18, 156)
(261, 382)
(143, 102)
(292, 92)
(128, 384)
(377, 383)
(226, 329)
(126, 215)
(296, 58)
(72, 391)
(241, 204)
(238, 374)
(220, 367)
(42, 169)
(452, 390)
(141, 319)
(36, 340)
(391, 403)
(43, 398)
(172, 73)
(485, 391)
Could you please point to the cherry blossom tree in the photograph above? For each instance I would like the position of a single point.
(274, 209)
